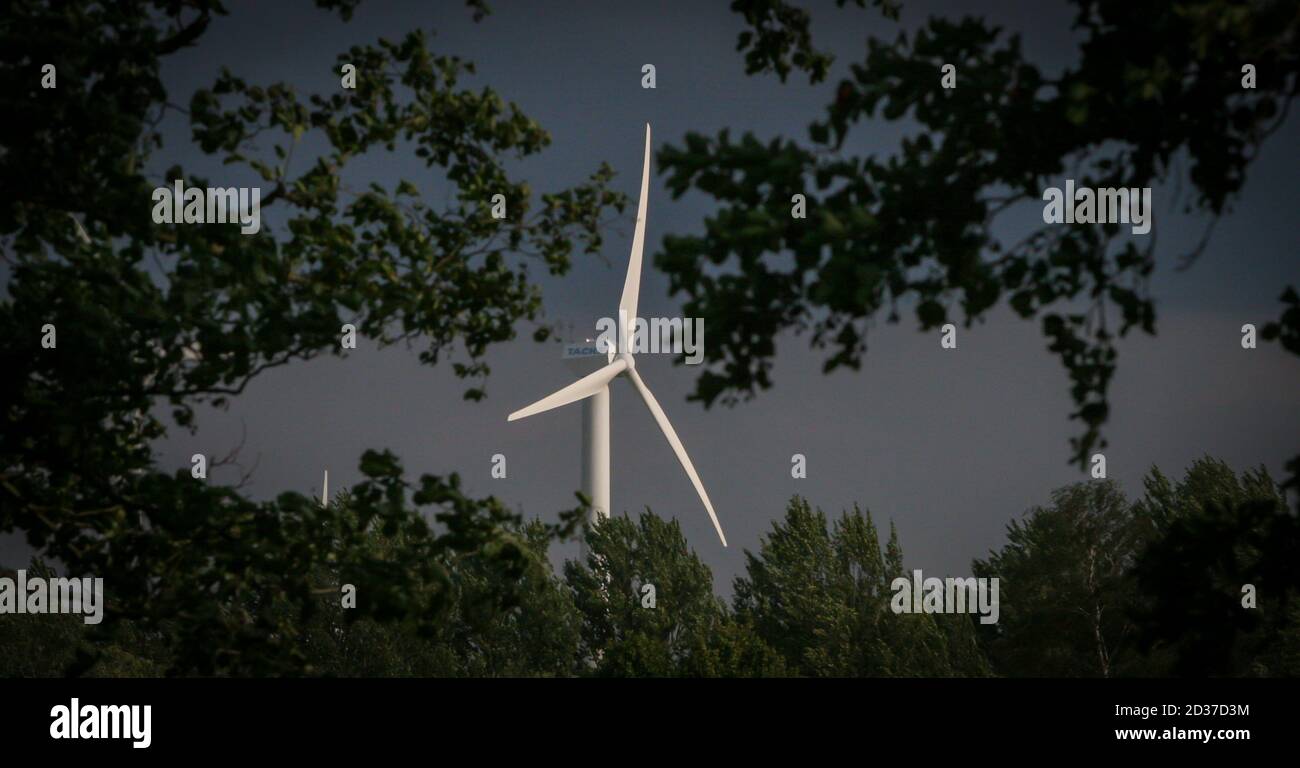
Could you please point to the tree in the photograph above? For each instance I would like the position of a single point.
(1220, 581)
(1096, 586)
(151, 314)
(685, 631)
(1155, 89)
(48, 644)
(525, 628)
(1067, 591)
(494, 624)
(821, 598)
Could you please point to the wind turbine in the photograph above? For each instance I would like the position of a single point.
(594, 388)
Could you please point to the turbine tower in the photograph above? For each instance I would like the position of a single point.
(594, 387)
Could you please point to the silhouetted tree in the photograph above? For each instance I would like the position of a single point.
(1221, 540)
(685, 631)
(1153, 95)
(821, 597)
(1066, 587)
(153, 317)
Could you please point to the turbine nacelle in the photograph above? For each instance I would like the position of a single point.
(620, 361)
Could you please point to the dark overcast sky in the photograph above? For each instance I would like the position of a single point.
(948, 444)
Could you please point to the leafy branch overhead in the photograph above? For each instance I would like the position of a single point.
(153, 315)
(923, 230)
(778, 38)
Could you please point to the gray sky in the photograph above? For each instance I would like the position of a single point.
(948, 444)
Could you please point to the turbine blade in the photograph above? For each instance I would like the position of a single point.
(632, 284)
(585, 387)
(678, 448)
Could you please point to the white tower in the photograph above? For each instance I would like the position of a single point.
(583, 357)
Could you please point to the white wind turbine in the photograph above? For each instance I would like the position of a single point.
(595, 386)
